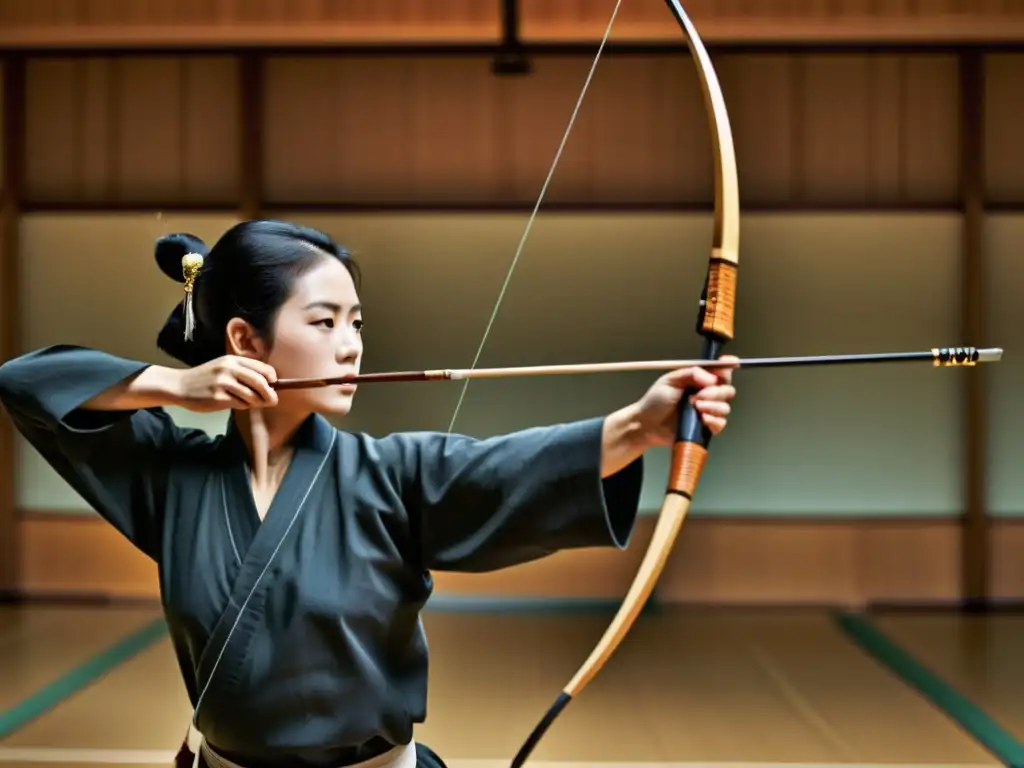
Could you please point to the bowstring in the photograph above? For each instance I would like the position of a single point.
(536, 208)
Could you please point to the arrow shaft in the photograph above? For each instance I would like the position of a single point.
(951, 357)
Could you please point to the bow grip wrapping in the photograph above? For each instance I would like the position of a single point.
(716, 323)
(690, 450)
(719, 312)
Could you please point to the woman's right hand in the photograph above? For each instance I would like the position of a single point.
(228, 382)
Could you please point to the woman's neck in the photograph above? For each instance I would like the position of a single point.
(267, 435)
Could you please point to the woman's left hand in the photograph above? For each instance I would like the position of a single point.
(657, 408)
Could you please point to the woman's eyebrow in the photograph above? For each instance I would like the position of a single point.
(332, 306)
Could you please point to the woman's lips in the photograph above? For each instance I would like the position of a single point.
(348, 388)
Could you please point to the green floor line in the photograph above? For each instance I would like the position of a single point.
(83, 675)
(993, 737)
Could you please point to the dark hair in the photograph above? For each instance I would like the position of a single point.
(249, 273)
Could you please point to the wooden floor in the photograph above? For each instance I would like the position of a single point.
(983, 658)
(696, 687)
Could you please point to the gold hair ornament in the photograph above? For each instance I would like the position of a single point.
(191, 263)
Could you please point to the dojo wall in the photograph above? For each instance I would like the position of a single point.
(836, 485)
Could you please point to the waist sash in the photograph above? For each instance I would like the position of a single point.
(399, 757)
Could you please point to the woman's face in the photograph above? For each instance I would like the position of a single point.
(317, 335)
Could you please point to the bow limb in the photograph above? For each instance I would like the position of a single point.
(715, 322)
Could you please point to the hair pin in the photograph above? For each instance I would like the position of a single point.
(191, 263)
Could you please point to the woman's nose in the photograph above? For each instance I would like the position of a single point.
(349, 349)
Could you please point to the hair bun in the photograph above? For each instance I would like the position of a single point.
(171, 249)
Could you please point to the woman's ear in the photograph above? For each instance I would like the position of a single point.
(243, 341)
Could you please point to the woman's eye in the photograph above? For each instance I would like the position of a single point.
(358, 325)
(327, 322)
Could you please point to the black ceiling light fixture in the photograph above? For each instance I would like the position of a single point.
(511, 59)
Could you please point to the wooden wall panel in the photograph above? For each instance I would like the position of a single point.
(865, 129)
(1007, 567)
(845, 562)
(754, 562)
(82, 556)
(863, 125)
(132, 13)
(446, 130)
(641, 134)
(851, 130)
(3, 121)
(10, 307)
(381, 130)
(108, 130)
(1004, 127)
(823, 129)
(268, 22)
(836, 129)
(761, 93)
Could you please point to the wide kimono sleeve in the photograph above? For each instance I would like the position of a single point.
(117, 461)
(480, 505)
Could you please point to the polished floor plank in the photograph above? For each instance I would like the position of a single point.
(39, 644)
(870, 715)
(80, 758)
(141, 705)
(700, 685)
(980, 656)
(84, 759)
(686, 686)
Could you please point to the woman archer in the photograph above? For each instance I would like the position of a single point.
(293, 574)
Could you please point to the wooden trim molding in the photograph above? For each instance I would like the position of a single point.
(753, 561)
(161, 23)
(279, 208)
